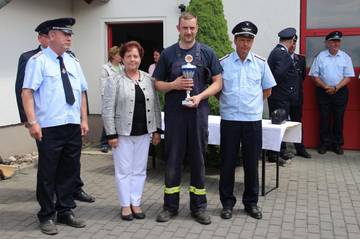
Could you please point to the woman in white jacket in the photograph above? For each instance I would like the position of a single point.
(131, 114)
(112, 68)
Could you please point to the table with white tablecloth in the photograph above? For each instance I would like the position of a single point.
(272, 134)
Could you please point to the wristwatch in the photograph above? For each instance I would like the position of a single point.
(29, 124)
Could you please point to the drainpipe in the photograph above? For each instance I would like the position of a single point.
(4, 2)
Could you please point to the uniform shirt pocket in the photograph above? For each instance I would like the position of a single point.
(51, 77)
(253, 78)
(230, 81)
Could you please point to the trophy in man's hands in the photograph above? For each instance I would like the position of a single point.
(188, 71)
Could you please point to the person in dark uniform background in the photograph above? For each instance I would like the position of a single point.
(247, 81)
(295, 111)
(43, 39)
(186, 127)
(54, 101)
(42, 29)
(332, 70)
(287, 80)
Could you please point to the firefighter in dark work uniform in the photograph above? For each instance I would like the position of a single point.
(186, 127)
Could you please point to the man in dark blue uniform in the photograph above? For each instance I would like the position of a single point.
(43, 39)
(287, 80)
(186, 127)
(296, 105)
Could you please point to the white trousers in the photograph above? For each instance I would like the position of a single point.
(130, 161)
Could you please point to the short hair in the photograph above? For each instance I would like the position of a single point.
(186, 16)
(130, 45)
(112, 52)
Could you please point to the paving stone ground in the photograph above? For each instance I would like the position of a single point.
(317, 198)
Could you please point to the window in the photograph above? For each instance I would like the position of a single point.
(333, 14)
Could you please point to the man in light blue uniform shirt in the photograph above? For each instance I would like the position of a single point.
(331, 71)
(247, 83)
(54, 101)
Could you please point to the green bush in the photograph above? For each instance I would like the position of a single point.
(214, 105)
(161, 99)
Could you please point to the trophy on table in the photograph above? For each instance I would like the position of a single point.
(188, 71)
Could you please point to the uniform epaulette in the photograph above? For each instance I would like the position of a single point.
(259, 57)
(37, 55)
(72, 55)
(224, 57)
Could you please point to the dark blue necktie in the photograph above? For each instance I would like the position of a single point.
(69, 94)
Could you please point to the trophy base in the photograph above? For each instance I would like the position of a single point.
(187, 102)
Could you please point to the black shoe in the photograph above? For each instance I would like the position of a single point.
(201, 217)
(83, 196)
(226, 213)
(104, 149)
(138, 215)
(272, 159)
(303, 153)
(48, 227)
(322, 149)
(282, 162)
(253, 211)
(128, 217)
(70, 220)
(287, 156)
(338, 150)
(165, 215)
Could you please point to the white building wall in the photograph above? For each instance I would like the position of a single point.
(18, 20)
